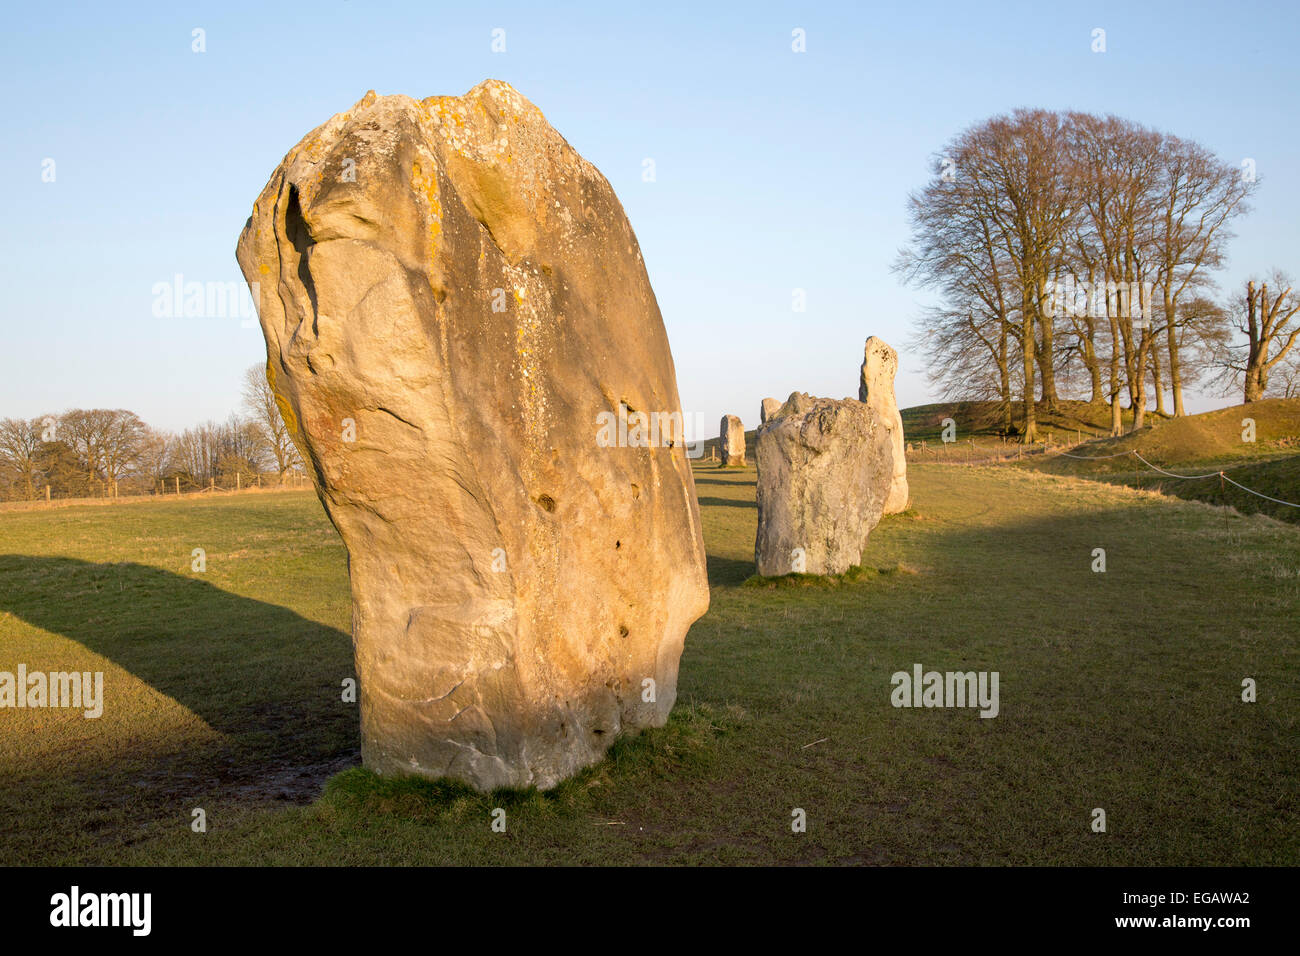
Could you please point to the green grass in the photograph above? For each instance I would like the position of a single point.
(1118, 690)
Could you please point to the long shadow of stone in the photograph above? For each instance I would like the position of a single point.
(261, 673)
(732, 480)
(729, 503)
(727, 570)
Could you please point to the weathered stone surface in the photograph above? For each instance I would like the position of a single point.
(731, 442)
(770, 407)
(452, 298)
(876, 388)
(824, 471)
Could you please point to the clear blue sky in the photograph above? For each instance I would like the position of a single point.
(775, 170)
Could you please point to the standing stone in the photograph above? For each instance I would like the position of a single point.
(770, 407)
(876, 388)
(824, 471)
(455, 310)
(731, 442)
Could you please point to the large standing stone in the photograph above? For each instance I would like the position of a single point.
(770, 407)
(824, 469)
(453, 303)
(731, 442)
(876, 388)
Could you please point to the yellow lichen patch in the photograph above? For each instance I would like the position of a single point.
(282, 403)
(427, 186)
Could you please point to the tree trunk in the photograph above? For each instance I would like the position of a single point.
(1157, 384)
(1138, 388)
(1254, 390)
(1031, 424)
(1098, 396)
(1004, 378)
(1116, 422)
(1046, 357)
(1175, 360)
(1254, 354)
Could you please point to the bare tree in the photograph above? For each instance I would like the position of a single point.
(1116, 165)
(1023, 206)
(107, 441)
(157, 453)
(1286, 376)
(988, 232)
(20, 451)
(1270, 333)
(1196, 196)
(954, 250)
(264, 411)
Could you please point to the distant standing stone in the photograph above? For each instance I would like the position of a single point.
(770, 407)
(824, 471)
(731, 442)
(876, 388)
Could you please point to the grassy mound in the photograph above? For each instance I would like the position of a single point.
(1200, 445)
(984, 420)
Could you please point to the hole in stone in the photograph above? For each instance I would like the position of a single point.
(617, 545)
(636, 491)
(622, 630)
(299, 236)
(547, 502)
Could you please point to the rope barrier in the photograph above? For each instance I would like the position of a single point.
(1170, 474)
(1096, 457)
(1289, 504)
(1213, 474)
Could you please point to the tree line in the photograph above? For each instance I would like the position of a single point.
(102, 452)
(1076, 253)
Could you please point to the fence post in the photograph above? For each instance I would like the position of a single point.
(47, 493)
(237, 476)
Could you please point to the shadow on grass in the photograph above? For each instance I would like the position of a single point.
(727, 570)
(736, 476)
(244, 666)
(853, 575)
(728, 503)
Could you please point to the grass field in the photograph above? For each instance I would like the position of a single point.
(1119, 690)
